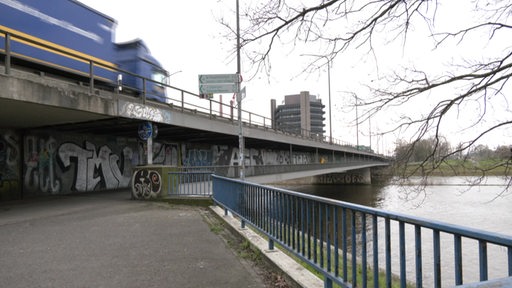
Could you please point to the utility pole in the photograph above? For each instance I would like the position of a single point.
(329, 86)
(241, 161)
(357, 122)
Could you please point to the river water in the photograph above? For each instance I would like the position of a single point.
(487, 206)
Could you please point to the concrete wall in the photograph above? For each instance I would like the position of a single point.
(359, 176)
(34, 163)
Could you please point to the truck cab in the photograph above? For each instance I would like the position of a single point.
(134, 58)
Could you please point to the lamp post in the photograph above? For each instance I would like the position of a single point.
(329, 86)
(329, 89)
(357, 123)
(241, 148)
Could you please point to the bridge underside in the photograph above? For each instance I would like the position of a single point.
(357, 174)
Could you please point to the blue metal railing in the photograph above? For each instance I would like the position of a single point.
(332, 237)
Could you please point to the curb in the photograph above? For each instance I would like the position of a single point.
(296, 272)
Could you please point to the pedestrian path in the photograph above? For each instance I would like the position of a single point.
(108, 240)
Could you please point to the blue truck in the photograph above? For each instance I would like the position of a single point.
(66, 36)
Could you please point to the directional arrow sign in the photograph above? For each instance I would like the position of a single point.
(218, 78)
(217, 88)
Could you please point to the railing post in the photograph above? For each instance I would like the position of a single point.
(211, 109)
(437, 259)
(387, 235)
(7, 53)
(509, 261)
(458, 259)
(483, 260)
(363, 251)
(403, 273)
(344, 246)
(419, 265)
(375, 232)
(327, 282)
(182, 101)
(354, 248)
(91, 76)
(144, 91)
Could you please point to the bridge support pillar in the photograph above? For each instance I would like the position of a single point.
(360, 176)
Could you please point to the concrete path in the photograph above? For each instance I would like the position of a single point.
(108, 240)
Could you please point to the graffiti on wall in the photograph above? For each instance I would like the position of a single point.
(134, 110)
(340, 178)
(225, 155)
(197, 156)
(59, 164)
(9, 165)
(40, 165)
(55, 163)
(146, 184)
(94, 166)
(165, 154)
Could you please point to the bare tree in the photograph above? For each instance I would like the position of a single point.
(336, 27)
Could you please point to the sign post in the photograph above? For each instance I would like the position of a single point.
(241, 143)
(227, 83)
(147, 131)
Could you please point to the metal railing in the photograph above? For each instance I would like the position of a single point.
(196, 180)
(176, 98)
(198, 183)
(259, 170)
(342, 241)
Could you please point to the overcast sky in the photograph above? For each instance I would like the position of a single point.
(186, 36)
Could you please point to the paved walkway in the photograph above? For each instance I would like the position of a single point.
(108, 240)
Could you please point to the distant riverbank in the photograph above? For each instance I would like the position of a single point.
(455, 168)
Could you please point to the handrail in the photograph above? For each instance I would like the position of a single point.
(331, 236)
(249, 118)
(259, 170)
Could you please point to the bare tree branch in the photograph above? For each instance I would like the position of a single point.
(337, 27)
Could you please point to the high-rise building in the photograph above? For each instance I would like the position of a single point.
(301, 114)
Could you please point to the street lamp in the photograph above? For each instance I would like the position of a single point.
(241, 145)
(329, 89)
(329, 85)
(174, 73)
(357, 122)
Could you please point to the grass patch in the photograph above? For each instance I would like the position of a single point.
(217, 228)
(395, 281)
(247, 251)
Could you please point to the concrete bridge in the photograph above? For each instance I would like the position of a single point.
(60, 136)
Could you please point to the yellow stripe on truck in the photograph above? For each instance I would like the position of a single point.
(19, 36)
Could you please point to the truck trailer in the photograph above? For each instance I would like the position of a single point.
(70, 38)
